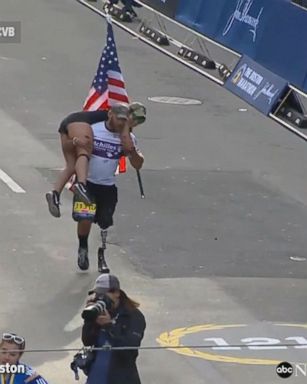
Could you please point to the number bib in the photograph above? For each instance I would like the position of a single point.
(82, 211)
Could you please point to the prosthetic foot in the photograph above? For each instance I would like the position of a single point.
(102, 264)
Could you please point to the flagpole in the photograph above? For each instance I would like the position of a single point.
(109, 20)
(138, 173)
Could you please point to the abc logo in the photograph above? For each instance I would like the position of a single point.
(284, 370)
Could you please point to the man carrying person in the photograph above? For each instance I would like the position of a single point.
(77, 146)
(111, 140)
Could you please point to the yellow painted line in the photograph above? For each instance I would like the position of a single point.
(292, 325)
(173, 339)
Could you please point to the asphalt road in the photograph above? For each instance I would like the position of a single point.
(225, 209)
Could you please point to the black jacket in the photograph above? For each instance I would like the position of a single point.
(127, 332)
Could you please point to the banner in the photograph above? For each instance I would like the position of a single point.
(167, 7)
(256, 85)
(271, 32)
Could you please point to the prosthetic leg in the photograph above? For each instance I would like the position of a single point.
(102, 264)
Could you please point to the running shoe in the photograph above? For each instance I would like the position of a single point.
(53, 200)
(83, 262)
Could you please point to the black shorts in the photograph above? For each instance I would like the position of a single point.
(90, 117)
(105, 197)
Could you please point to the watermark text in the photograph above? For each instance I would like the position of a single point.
(10, 32)
(12, 368)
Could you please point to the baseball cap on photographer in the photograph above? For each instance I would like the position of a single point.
(120, 110)
(105, 283)
(138, 112)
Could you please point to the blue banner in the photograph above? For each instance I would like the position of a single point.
(271, 32)
(167, 7)
(256, 85)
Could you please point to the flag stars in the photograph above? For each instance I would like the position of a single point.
(108, 64)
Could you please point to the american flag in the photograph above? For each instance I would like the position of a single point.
(108, 86)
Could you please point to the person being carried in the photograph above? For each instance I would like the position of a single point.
(10, 356)
(77, 145)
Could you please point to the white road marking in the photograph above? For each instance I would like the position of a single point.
(175, 100)
(10, 182)
(296, 258)
(74, 324)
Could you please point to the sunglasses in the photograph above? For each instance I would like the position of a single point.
(12, 337)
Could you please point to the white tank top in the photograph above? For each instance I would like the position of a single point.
(107, 150)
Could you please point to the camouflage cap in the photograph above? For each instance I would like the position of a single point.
(121, 110)
(138, 112)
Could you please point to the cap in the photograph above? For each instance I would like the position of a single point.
(104, 283)
(138, 111)
(121, 111)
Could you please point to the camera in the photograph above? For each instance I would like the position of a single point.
(102, 304)
(82, 360)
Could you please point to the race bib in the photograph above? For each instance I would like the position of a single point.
(82, 211)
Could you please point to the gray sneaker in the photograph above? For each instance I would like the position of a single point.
(53, 200)
(83, 261)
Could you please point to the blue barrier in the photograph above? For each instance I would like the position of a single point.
(167, 7)
(271, 32)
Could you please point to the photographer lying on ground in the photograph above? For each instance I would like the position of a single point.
(111, 318)
(10, 356)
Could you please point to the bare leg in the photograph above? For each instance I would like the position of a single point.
(69, 170)
(81, 168)
(84, 228)
(82, 131)
(76, 161)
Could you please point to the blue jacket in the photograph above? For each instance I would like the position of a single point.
(29, 376)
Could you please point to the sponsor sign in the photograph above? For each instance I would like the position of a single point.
(256, 85)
